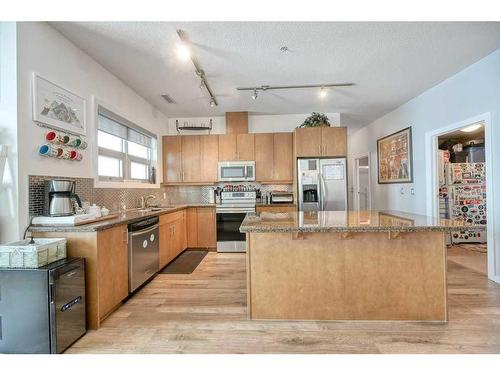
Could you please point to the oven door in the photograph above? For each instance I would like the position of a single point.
(229, 237)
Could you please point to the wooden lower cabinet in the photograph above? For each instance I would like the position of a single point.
(201, 227)
(173, 239)
(112, 258)
(106, 263)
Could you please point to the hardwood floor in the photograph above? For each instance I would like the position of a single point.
(205, 313)
(470, 256)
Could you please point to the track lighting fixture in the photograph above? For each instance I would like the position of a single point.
(323, 88)
(184, 52)
(255, 94)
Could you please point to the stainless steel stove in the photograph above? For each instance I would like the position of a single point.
(235, 203)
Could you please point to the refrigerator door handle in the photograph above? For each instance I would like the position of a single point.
(322, 190)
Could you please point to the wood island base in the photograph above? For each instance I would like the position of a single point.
(347, 276)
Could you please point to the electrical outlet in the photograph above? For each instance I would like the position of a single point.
(412, 191)
(402, 191)
(164, 195)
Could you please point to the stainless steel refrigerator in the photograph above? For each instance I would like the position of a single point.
(322, 184)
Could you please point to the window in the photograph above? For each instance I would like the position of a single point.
(126, 152)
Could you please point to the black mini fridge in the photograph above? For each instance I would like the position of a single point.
(42, 310)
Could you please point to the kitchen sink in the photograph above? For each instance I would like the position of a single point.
(154, 209)
(151, 209)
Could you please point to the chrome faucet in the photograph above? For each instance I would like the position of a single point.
(146, 200)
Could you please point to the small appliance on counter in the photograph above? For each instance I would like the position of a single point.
(58, 198)
(43, 309)
(281, 197)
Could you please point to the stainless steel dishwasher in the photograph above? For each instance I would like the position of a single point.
(143, 252)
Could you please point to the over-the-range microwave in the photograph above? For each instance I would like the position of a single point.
(234, 171)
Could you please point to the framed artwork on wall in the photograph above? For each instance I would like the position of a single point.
(394, 154)
(56, 107)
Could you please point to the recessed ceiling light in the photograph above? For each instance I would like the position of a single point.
(322, 93)
(183, 52)
(471, 128)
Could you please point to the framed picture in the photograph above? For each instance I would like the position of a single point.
(57, 107)
(394, 154)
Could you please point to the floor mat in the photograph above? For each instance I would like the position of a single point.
(185, 263)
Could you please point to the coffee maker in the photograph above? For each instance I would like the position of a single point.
(58, 198)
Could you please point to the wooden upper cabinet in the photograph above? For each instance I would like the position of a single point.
(334, 141)
(236, 147)
(172, 159)
(236, 122)
(227, 147)
(190, 158)
(264, 155)
(209, 156)
(321, 141)
(245, 147)
(308, 142)
(283, 157)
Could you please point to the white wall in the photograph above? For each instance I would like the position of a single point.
(43, 50)
(9, 203)
(256, 123)
(472, 92)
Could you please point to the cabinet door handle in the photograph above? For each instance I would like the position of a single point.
(125, 236)
(320, 149)
(182, 176)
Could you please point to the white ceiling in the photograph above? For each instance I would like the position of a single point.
(390, 62)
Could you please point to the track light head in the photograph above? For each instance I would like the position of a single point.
(255, 94)
(212, 103)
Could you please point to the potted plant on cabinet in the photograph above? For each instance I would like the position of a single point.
(316, 119)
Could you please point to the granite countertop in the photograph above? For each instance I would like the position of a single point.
(348, 221)
(126, 217)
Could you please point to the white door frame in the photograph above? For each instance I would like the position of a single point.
(432, 183)
(356, 182)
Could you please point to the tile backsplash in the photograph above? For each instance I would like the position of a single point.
(117, 199)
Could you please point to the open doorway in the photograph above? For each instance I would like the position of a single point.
(432, 182)
(362, 189)
(461, 174)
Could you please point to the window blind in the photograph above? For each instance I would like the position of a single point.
(118, 126)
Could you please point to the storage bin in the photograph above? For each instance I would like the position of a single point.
(22, 254)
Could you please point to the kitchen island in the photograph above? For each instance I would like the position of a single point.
(347, 265)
